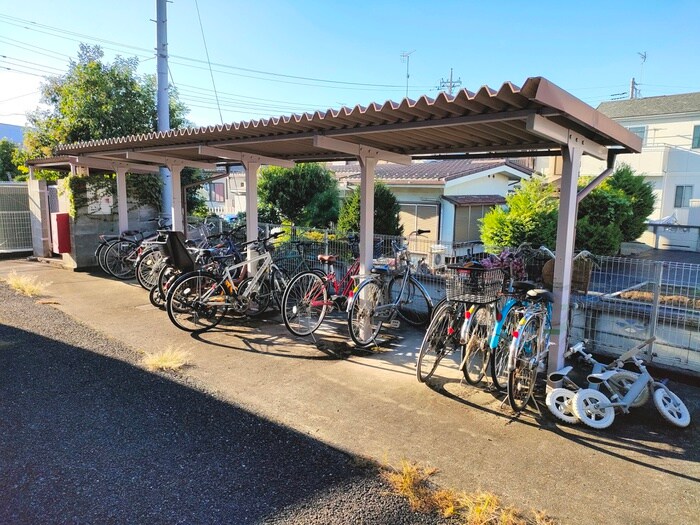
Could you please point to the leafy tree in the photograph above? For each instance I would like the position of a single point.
(306, 194)
(96, 100)
(530, 215)
(8, 153)
(386, 212)
(641, 195)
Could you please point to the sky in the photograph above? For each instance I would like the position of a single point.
(275, 57)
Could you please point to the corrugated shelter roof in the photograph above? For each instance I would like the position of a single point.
(489, 122)
(643, 107)
(435, 172)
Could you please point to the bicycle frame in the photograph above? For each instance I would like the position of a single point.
(538, 309)
(262, 270)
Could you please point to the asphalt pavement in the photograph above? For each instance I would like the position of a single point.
(264, 426)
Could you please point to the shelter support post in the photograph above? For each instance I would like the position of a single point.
(122, 205)
(367, 165)
(178, 223)
(563, 265)
(251, 206)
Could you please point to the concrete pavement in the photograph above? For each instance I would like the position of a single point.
(640, 470)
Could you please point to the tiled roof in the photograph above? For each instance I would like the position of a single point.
(642, 107)
(427, 172)
(475, 200)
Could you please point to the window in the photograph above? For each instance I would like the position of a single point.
(683, 196)
(641, 132)
(217, 192)
(696, 137)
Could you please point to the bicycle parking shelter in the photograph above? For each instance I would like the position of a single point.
(537, 119)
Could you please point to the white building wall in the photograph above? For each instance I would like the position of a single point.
(488, 183)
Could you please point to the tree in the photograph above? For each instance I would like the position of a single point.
(95, 100)
(306, 194)
(8, 154)
(530, 215)
(641, 195)
(386, 212)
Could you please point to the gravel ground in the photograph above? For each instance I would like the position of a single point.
(87, 437)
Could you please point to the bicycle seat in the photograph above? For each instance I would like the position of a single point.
(327, 259)
(560, 374)
(602, 376)
(540, 294)
(523, 286)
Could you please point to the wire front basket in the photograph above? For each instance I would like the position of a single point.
(474, 285)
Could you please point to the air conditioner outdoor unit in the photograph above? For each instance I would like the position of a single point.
(437, 255)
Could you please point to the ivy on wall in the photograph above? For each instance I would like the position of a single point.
(142, 190)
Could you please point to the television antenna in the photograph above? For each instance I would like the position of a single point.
(406, 57)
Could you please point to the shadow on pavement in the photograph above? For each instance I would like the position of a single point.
(88, 438)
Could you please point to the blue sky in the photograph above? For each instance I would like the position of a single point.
(350, 52)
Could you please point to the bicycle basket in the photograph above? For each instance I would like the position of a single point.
(474, 285)
(534, 266)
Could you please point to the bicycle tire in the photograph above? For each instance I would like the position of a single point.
(156, 298)
(620, 383)
(259, 300)
(522, 376)
(299, 314)
(117, 259)
(437, 342)
(476, 351)
(148, 267)
(671, 408)
(414, 306)
(279, 281)
(185, 305)
(99, 256)
(499, 355)
(363, 310)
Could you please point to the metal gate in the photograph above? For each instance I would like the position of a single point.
(15, 219)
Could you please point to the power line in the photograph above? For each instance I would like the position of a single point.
(206, 50)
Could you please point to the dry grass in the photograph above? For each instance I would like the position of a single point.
(412, 481)
(674, 300)
(168, 360)
(26, 285)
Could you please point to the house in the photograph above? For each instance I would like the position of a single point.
(669, 127)
(447, 197)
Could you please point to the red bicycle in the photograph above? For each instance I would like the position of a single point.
(309, 297)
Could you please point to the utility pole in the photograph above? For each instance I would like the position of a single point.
(449, 84)
(634, 90)
(163, 98)
(406, 55)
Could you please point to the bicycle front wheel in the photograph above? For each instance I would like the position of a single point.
(304, 303)
(148, 267)
(196, 302)
(363, 322)
(439, 341)
(477, 350)
(414, 305)
(118, 259)
(499, 355)
(521, 378)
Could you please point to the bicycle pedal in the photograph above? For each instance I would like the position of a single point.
(394, 323)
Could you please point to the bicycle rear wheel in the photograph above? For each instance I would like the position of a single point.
(119, 259)
(148, 267)
(476, 352)
(414, 307)
(196, 302)
(279, 283)
(363, 322)
(304, 303)
(521, 378)
(438, 342)
(258, 300)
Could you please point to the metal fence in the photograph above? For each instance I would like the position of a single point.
(630, 300)
(15, 219)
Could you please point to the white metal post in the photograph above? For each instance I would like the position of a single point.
(563, 264)
(367, 165)
(251, 205)
(178, 223)
(163, 98)
(122, 207)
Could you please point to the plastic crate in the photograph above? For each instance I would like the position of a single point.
(474, 285)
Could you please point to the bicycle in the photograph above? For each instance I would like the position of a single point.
(596, 410)
(131, 236)
(529, 348)
(197, 301)
(386, 294)
(310, 297)
(298, 262)
(559, 399)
